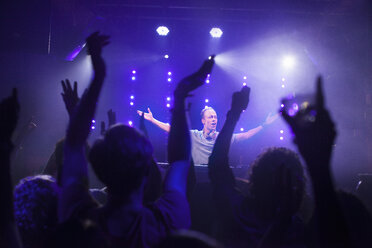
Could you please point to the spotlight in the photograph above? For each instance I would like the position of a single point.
(93, 121)
(168, 98)
(283, 86)
(131, 103)
(206, 100)
(207, 81)
(282, 105)
(244, 77)
(72, 55)
(166, 56)
(133, 72)
(288, 62)
(162, 30)
(281, 138)
(169, 79)
(281, 131)
(168, 105)
(241, 129)
(132, 97)
(216, 33)
(133, 78)
(130, 123)
(93, 127)
(169, 73)
(244, 84)
(283, 79)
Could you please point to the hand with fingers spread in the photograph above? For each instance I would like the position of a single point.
(70, 96)
(148, 116)
(194, 80)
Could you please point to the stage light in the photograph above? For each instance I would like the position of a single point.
(216, 33)
(131, 103)
(288, 62)
(283, 79)
(282, 105)
(168, 98)
(166, 56)
(283, 86)
(244, 77)
(209, 75)
(132, 97)
(281, 138)
(93, 127)
(241, 129)
(169, 79)
(169, 73)
(93, 121)
(244, 84)
(133, 72)
(206, 100)
(71, 56)
(133, 78)
(130, 123)
(281, 131)
(207, 81)
(162, 30)
(168, 105)
(206, 106)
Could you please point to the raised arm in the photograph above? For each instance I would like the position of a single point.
(9, 111)
(219, 171)
(148, 116)
(246, 135)
(74, 169)
(179, 143)
(314, 136)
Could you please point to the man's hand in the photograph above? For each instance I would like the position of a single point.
(70, 96)
(148, 116)
(111, 115)
(95, 43)
(240, 100)
(195, 80)
(316, 137)
(270, 118)
(9, 113)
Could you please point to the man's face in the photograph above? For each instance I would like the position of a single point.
(210, 120)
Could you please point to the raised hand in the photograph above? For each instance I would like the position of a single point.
(240, 100)
(270, 118)
(111, 117)
(194, 80)
(95, 44)
(148, 116)
(70, 96)
(9, 113)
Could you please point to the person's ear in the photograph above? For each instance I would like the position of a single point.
(203, 121)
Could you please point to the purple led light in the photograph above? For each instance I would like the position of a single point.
(206, 100)
(133, 78)
(131, 103)
(282, 105)
(168, 105)
(168, 98)
(207, 81)
(162, 30)
(132, 97)
(93, 127)
(93, 121)
(169, 73)
(283, 86)
(281, 131)
(133, 72)
(166, 56)
(283, 79)
(244, 77)
(130, 123)
(169, 79)
(281, 138)
(244, 84)
(241, 129)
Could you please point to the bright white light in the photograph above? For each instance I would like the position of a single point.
(283, 86)
(244, 77)
(131, 103)
(283, 79)
(132, 97)
(281, 138)
(282, 105)
(244, 84)
(93, 121)
(168, 105)
(206, 100)
(93, 127)
(133, 78)
(216, 32)
(168, 98)
(169, 73)
(133, 72)
(241, 129)
(288, 62)
(162, 30)
(281, 131)
(130, 123)
(209, 75)
(207, 81)
(166, 56)
(169, 79)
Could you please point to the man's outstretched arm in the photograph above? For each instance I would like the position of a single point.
(250, 133)
(148, 116)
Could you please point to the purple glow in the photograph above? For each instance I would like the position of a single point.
(241, 129)
(93, 127)
(283, 86)
(162, 30)
(206, 100)
(207, 81)
(295, 106)
(281, 138)
(216, 33)
(244, 77)
(209, 75)
(130, 123)
(291, 112)
(133, 72)
(132, 97)
(244, 84)
(166, 56)
(283, 79)
(168, 105)
(288, 62)
(169, 79)
(282, 105)
(281, 131)
(169, 73)
(93, 121)
(131, 103)
(133, 78)
(168, 98)
(71, 56)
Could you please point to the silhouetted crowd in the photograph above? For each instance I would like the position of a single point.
(276, 206)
